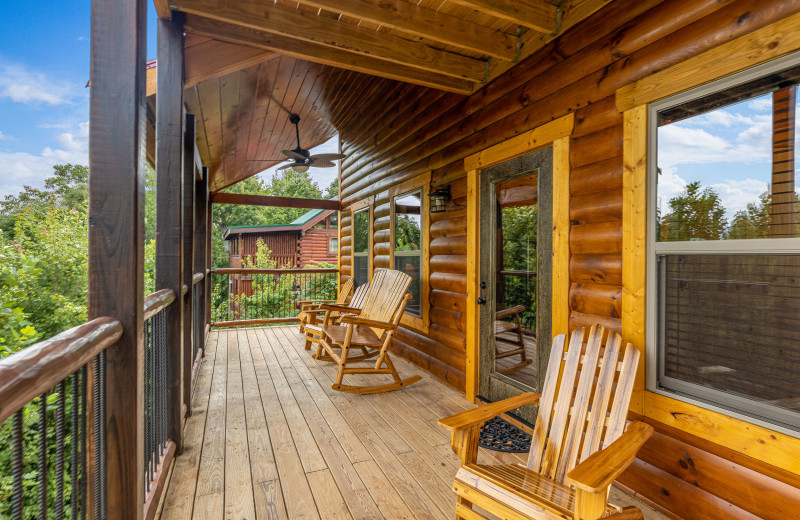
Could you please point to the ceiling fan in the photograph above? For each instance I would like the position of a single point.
(301, 159)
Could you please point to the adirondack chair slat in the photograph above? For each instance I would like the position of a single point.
(580, 406)
(567, 475)
(539, 439)
(561, 408)
(598, 415)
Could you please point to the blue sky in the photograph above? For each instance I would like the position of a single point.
(729, 149)
(44, 105)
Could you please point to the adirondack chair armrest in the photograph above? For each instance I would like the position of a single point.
(600, 469)
(499, 315)
(484, 412)
(339, 308)
(355, 320)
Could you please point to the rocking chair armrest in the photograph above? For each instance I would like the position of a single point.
(314, 302)
(499, 315)
(600, 469)
(355, 320)
(484, 412)
(314, 311)
(339, 308)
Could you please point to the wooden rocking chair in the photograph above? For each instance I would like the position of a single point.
(369, 329)
(310, 308)
(332, 317)
(567, 475)
(500, 327)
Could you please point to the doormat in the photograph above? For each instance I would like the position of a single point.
(500, 435)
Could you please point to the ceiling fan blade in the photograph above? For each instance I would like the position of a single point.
(328, 156)
(285, 166)
(300, 168)
(294, 155)
(322, 164)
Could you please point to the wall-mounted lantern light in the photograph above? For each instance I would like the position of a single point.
(439, 198)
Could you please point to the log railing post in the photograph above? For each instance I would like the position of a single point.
(188, 261)
(209, 231)
(169, 163)
(116, 246)
(200, 204)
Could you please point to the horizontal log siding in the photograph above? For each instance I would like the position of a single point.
(578, 72)
(313, 245)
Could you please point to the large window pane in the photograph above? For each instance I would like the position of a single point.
(408, 245)
(726, 167)
(361, 246)
(729, 323)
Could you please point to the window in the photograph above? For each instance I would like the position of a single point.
(724, 228)
(361, 246)
(333, 245)
(408, 245)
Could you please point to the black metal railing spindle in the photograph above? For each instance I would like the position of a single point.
(60, 412)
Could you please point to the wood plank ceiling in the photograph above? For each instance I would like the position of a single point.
(249, 63)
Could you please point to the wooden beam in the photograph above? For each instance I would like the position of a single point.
(427, 23)
(200, 207)
(169, 161)
(325, 55)
(187, 271)
(280, 202)
(535, 14)
(116, 249)
(287, 21)
(162, 9)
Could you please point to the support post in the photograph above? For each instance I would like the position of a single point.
(169, 218)
(188, 260)
(209, 258)
(116, 243)
(783, 218)
(201, 206)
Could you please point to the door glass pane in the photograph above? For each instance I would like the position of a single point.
(361, 246)
(408, 245)
(515, 208)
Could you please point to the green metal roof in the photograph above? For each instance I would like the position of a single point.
(304, 219)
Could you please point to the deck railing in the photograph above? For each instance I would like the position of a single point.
(519, 288)
(243, 297)
(52, 397)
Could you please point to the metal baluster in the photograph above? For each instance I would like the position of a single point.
(73, 466)
(42, 466)
(16, 466)
(97, 446)
(62, 388)
(147, 433)
(83, 444)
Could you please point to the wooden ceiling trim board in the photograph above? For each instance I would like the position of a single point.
(208, 100)
(292, 23)
(229, 100)
(190, 40)
(325, 55)
(534, 14)
(248, 91)
(194, 107)
(213, 59)
(427, 23)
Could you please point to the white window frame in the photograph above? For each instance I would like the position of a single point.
(749, 410)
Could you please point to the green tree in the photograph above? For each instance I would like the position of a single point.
(332, 191)
(695, 214)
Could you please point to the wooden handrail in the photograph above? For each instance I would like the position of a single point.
(237, 270)
(519, 273)
(30, 372)
(153, 303)
(196, 277)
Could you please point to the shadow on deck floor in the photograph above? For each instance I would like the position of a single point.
(269, 438)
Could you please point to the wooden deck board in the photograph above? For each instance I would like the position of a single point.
(269, 438)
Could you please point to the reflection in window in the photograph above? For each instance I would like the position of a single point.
(361, 246)
(408, 245)
(727, 305)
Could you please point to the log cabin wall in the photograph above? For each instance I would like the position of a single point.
(313, 246)
(401, 137)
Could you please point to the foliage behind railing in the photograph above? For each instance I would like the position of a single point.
(262, 294)
(519, 288)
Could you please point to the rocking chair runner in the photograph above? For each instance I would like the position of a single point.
(369, 329)
(567, 475)
(310, 308)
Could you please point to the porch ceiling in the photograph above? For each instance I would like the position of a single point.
(249, 63)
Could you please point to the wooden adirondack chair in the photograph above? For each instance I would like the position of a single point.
(369, 329)
(310, 308)
(332, 317)
(567, 475)
(500, 327)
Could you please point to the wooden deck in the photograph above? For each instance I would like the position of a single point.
(268, 438)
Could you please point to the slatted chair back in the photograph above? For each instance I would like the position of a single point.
(344, 291)
(386, 292)
(358, 297)
(586, 410)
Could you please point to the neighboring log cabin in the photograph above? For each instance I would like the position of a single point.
(312, 237)
(564, 125)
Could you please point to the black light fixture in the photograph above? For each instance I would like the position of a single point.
(439, 198)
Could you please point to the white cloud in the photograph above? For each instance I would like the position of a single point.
(678, 144)
(761, 104)
(24, 86)
(4, 137)
(736, 194)
(20, 168)
(670, 184)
